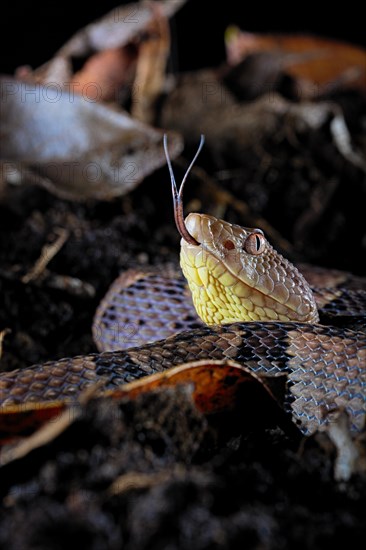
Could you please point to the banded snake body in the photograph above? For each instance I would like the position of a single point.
(254, 306)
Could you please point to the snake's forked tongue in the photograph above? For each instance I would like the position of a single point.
(178, 194)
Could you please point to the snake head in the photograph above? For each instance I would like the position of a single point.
(233, 272)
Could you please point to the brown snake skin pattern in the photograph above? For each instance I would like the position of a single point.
(325, 367)
(142, 307)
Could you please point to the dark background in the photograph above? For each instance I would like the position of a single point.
(31, 32)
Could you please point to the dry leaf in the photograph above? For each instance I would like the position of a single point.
(77, 149)
(330, 60)
(207, 107)
(22, 420)
(151, 66)
(46, 433)
(218, 385)
(110, 70)
(219, 388)
(113, 31)
(52, 419)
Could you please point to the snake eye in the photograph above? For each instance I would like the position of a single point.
(229, 245)
(254, 243)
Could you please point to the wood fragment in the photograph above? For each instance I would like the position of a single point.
(151, 67)
(132, 481)
(48, 252)
(350, 458)
(71, 285)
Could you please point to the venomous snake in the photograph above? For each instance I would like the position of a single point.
(255, 308)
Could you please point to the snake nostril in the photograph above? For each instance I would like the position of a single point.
(229, 245)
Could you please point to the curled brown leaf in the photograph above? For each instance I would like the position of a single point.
(330, 59)
(76, 148)
(220, 389)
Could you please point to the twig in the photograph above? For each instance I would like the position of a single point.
(48, 252)
(137, 480)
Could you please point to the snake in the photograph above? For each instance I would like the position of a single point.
(236, 298)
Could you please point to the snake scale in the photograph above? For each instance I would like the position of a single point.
(254, 307)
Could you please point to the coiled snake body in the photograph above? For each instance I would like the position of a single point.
(257, 309)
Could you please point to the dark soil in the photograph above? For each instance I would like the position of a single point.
(150, 474)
